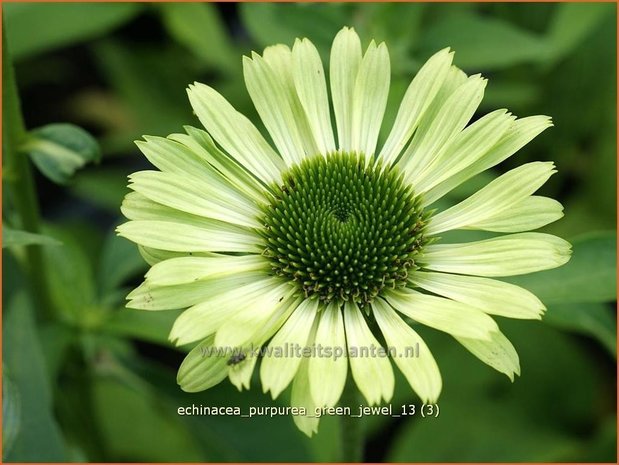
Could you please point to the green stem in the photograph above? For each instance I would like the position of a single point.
(351, 431)
(18, 176)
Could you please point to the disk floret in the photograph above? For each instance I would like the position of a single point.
(342, 230)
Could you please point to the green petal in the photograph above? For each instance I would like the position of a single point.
(279, 58)
(241, 373)
(500, 256)
(467, 147)
(221, 304)
(152, 297)
(240, 329)
(344, 67)
(154, 256)
(370, 99)
(328, 374)
(201, 144)
(498, 352)
(184, 270)
(235, 133)
(421, 371)
(199, 372)
(526, 215)
(446, 315)
(309, 79)
(171, 157)
(373, 375)
(520, 133)
(277, 370)
(179, 236)
(419, 95)
(495, 198)
(489, 295)
(434, 134)
(271, 102)
(213, 199)
(301, 397)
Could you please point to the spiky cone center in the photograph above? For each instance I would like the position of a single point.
(342, 230)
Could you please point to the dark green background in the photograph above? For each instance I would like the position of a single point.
(96, 381)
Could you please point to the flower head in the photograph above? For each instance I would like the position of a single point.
(329, 240)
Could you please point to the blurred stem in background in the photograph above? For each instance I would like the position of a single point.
(351, 428)
(20, 180)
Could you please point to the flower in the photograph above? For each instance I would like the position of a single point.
(331, 241)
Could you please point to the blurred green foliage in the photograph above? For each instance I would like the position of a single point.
(96, 381)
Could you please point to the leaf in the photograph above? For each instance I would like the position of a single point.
(238, 439)
(142, 325)
(482, 43)
(70, 278)
(485, 418)
(120, 260)
(198, 27)
(11, 414)
(104, 187)
(58, 150)
(39, 438)
(594, 319)
(16, 238)
(39, 27)
(146, 85)
(139, 427)
(589, 276)
(272, 23)
(571, 24)
(490, 433)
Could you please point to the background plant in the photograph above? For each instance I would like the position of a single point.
(87, 379)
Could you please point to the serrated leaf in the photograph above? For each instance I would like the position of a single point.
(59, 149)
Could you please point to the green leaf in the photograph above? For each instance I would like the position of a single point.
(120, 260)
(589, 276)
(571, 24)
(272, 23)
(198, 27)
(39, 438)
(58, 150)
(142, 325)
(139, 427)
(479, 431)
(482, 43)
(104, 187)
(40, 27)
(16, 238)
(147, 86)
(594, 319)
(485, 418)
(70, 278)
(11, 414)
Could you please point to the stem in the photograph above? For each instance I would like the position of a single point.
(351, 431)
(18, 175)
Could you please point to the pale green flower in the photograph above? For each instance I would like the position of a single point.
(328, 239)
